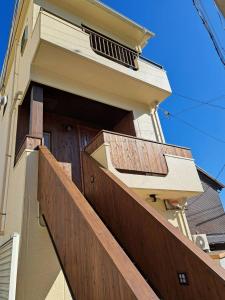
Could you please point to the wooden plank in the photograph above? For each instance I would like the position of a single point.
(36, 111)
(157, 248)
(132, 154)
(30, 143)
(67, 168)
(94, 264)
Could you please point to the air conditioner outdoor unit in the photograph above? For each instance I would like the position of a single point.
(201, 241)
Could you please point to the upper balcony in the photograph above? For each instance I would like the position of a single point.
(148, 167)
(81, 55)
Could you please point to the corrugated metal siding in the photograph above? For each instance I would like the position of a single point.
(8, 267)
(205, 213)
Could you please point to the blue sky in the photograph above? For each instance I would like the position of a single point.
(184, 48)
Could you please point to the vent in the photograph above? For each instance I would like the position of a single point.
(8, 267)
(112, 50)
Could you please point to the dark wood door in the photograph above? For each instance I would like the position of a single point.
(67, 139)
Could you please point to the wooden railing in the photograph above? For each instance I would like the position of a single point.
(131, 154)
(158, 249)
(93, 263)
(111, 49)
(29, 142)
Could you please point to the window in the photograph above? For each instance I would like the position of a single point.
(47, 139)
(112, 50)
(24, 39)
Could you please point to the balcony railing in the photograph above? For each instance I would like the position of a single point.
(111, 49)
(134, 155)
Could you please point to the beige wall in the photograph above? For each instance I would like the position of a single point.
(94, 15)
(39, 272)
(176, 185)
(176, 217)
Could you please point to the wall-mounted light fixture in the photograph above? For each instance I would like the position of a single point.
(182, 277)
(68, 127)
(153, 197)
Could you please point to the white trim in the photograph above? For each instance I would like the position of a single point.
(181, 157)
(14, 266)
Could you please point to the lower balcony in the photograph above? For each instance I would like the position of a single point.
(165, 171)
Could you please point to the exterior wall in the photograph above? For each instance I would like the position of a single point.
(39, 272)
(144, 119)
(177, 184)
(141, 184)
(7, 132)
(205, 214)
(176, 217)
(100, 18)
(59, 38)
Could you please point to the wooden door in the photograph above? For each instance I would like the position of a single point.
(66, 139)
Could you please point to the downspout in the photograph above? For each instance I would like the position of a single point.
(185, 222)
(156, 123)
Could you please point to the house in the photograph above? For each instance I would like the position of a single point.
(87, 182)
(205, 213)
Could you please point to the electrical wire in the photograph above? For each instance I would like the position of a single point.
(202, 14)
(168, 114)
(201, 103)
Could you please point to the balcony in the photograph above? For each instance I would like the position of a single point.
(147, 167)
(68, 58)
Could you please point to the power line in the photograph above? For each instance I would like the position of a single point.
(202, 14)
(168, 114)
(201, 103)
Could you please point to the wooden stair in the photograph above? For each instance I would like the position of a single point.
(94, 264)
(159, 250)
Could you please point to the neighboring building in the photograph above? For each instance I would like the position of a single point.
(221, 6)
(205, 213)
(83, 163)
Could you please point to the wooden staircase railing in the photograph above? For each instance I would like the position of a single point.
(93, 263)
(160, 252)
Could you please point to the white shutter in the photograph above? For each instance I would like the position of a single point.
(9, 251)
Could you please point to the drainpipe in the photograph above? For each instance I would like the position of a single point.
(156, 123)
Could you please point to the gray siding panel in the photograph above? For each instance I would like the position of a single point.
(205, 213)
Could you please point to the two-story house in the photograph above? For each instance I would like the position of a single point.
(90, 192)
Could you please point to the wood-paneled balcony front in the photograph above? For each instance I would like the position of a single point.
(148, 167)
(74, 59)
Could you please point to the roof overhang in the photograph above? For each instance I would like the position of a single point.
(104, 19)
